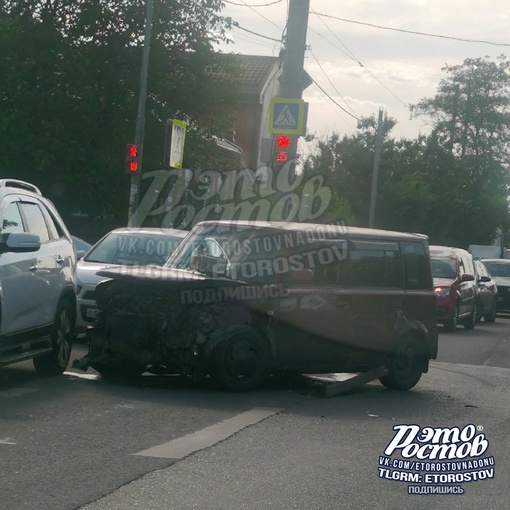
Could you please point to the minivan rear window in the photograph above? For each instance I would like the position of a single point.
(416, 266)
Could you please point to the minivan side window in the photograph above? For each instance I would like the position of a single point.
(416, 266)
(335, 270)
(374, 264)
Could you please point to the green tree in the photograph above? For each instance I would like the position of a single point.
(69, 92)
(470, 142)
(451, 185)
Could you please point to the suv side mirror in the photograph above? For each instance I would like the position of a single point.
(484, 279)
(467, 278)
(19, 242)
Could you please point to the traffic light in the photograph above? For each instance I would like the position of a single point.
(132, 159)
(282, 146)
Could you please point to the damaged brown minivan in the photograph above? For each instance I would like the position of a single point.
(241, 300)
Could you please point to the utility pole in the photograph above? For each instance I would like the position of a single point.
(375, 170)
(140, 119)
(294, 56)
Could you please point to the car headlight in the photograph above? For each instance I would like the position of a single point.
(442, 291)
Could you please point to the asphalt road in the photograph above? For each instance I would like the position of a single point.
(78, 442)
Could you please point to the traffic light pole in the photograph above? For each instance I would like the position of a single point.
(140, 119)
(294, 56)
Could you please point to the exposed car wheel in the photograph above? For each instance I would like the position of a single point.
(406, 366)
(470, 322)
(491, 316)
(56, 361)
(242, 359)
(451, 325)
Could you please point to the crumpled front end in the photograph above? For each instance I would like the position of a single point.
(145, 327)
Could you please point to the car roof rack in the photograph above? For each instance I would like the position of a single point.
(16, 183)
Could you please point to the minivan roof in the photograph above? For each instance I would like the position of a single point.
(342, 230)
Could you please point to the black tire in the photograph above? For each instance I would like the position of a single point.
(491, 315)
(242, 359)
(451, 325)
(55, 362)
(406, 366)
(470, 322)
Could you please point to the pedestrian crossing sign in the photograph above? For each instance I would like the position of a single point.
(286, 116)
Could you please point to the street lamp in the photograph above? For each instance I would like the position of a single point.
(140, 119)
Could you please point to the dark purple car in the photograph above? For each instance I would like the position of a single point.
(238, 301)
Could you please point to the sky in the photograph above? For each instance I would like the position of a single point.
(368, 60)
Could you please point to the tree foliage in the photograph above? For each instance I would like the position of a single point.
(70, 89)
(452, 184)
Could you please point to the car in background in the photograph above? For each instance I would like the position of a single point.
(120, 247)
(37, 280)
(487, 293)
(82, 247)
(500, 272)
(454, 283)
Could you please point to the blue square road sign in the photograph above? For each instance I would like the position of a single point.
(286, 116)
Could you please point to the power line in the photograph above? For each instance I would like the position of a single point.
(353, 57)
(236, 25)
(260, 5)
(331, 99)
(412, 31)
(328, 78)
(261, 15)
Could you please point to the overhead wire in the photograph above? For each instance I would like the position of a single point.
(261, 15)
(244, 4)
(347, 51)
(236, 25)
(333, 100)
(333, 85)
(353, 57)
(414, 32)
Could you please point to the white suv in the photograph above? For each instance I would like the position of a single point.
(37, 280)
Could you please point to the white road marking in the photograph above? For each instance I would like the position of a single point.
(184, 446)
(7, 440)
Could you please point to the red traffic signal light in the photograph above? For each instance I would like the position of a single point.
(283, 141)
(281, 151)
(132, 159)
(281, 157)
